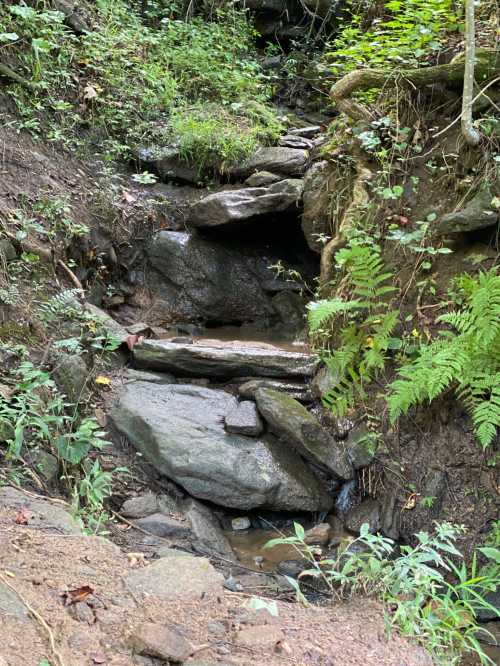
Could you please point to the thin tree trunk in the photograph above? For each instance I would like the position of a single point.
(471, 135)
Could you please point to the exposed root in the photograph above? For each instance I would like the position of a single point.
(8, 73)
(487, 65)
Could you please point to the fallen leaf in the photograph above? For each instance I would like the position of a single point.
(411, 502)
(89, 92)
(100, 417)
(133, 340)
(23, 516)
(104, 381)
(129, 198)
(77, 595)
(98, 657)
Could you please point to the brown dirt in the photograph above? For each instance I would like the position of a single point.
(42, 565)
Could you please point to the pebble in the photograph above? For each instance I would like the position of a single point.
(241, 523)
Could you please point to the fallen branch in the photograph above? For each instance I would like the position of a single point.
(8, 73)
(71, 275)
(38, 618)
(487, 65)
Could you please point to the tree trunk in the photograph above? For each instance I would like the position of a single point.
(471, 134)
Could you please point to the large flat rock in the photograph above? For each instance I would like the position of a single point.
(223, 360)
(180, 430)
(276, 159)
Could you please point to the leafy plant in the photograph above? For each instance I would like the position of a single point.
(366, 324)
(427, 595)
(466, 358)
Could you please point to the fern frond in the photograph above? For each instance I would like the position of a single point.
(319, 312)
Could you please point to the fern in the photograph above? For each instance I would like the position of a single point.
(467, 359)
(364, 338)
(65, 304)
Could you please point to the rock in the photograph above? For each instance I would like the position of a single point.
(244, 420)
(82, 612)
(295, 390)
(230, 206)
(46, 465)
(7, 251)
(140, 328)
(73, 16)
(180, 430)
(318, 535)
(157, 640)
(243, 523)
(11, 605)
(167, 162)
(141, 506)
(316, 218)
(361, 448)
(43, 514)
(71, 375)
(163, 526)
(262, 179)
(479, 213)
(152, 377)
(322, 382)
(223, 360)
(435, 487)
(309, 132)
(289, 419)
(366, 512)
(166, 551)
(209, 537)
(293, 141)
(292, 568)
(266, 636)
(176, 578)
(110, 325)
(196, 278)
(487, 614)
(289, 161)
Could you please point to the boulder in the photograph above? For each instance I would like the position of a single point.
(232, 206)
(140, 507)
(166, 161)
(294, 141)
(157, 640)
(290, 420)
(152, 377)
(42, 514)
(163, 526)
(309, 132)
(209, 537)
(295, 390)
(177, 578)
(204, 279)
(223, 360)
(366, 512)
(276, 159)
(316, 218)
(361, 448)
(110, 325)
(479, 213)
(244, 420)
(180, 430)
(262, 179)
(72, 376)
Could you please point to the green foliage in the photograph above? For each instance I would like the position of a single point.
(467, 358)
(431, 598)
(406, 32)
(365, 324)
(193, 83)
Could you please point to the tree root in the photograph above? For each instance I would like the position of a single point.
(359, 201)
(487, 65)
(9, 73)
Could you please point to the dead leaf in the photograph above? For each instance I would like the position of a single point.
(133, 340)
(102, 380)
(98, 657)
(100, 417)
(129, 198)
(411, 502)
(89, 92)
(77, 595)
(23, 516)
(136, 560)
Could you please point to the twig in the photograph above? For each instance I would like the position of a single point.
(70, 274)
(55, 500)
(39, 619)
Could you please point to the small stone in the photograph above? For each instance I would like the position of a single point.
(241, 523)
(244, 420)
(260, 637)
(82, 612)
(233, 585)
(47, 465)
(292, 568)
(318, 535)
(163, 526)
(141, 506)
(366, 512)
(216, 628)
(157, 640)
(139, 329)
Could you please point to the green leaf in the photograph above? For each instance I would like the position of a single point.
(491, 553)
(299, 531)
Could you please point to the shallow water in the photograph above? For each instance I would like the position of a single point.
(248, 544)
(248, 334)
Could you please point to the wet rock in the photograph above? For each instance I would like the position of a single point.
(289, 419)
(347, 497)
(390, 516)
(244, 420)
(167, 163)
(318, 535)
(157, 640)
(266, 636)
(262, 179)
(292, 568)
(316, 218)
(293, 141)
(366, 512)
(289, 161)
(196, 278)
(180, 578)
(232, 206)
(202, 360)
(209, 537)
(243, 523)
(42, 513)
(71, 375)
(141, 506)
(298, 391)
(479, 213)
(163, 526)
(180, 430)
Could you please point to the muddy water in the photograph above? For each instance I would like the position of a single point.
(249, 544)
(252, 336)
